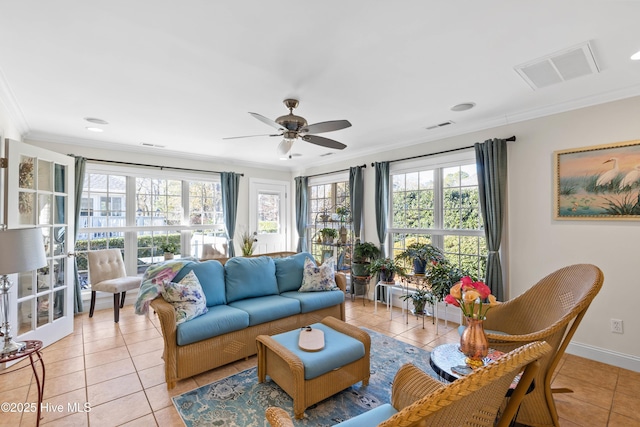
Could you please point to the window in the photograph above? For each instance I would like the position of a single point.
(137, 212)
(438, 203)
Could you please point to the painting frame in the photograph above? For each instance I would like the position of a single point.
(601, 182)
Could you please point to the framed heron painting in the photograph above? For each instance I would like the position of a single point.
(600, 182)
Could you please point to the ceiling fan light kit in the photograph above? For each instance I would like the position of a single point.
(292, 127)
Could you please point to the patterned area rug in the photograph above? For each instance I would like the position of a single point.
(239, 400)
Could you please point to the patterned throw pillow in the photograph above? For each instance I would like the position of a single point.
(318, 278)
(186, 297)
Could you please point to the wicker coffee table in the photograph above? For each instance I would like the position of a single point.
(309, 377)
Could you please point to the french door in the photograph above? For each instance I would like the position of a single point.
(269, 214)
(40, 193)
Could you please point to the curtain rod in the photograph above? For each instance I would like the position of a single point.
(510, 139)
(150, 166)
(341, 170)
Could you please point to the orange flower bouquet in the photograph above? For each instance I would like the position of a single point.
(473, 298)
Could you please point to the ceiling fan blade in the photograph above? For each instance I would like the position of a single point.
(266, 120)
(324, 142)
(285, 146)
(326, 126)
(251, 136)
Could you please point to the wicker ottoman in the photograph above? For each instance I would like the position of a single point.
(309, 377)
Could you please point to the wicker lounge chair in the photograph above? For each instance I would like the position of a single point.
(472, 401)
(550, 311)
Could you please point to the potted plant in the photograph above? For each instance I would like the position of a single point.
(420, 298)
(363, 253)
(387, 268)
(248, 241)
(328, 235)
(169, 249)
(421, 254)
(442, 276)
(343, 212)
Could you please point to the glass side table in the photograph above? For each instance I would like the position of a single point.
(32, 350)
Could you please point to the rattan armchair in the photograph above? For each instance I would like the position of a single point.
(551, 310)
(472, 401)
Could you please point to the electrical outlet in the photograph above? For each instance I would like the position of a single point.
(616, 326)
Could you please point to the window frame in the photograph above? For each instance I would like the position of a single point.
(437, 233)
(130, 230)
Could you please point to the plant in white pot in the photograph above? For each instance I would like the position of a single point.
(387, 268)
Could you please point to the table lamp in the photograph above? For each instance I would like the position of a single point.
(22, 250)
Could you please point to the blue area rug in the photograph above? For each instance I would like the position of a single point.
(239, 400)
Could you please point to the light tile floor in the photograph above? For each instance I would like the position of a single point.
(117, 370)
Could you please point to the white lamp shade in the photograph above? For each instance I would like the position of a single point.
(285, 146)
(22, 250)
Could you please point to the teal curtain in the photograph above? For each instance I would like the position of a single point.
(229, 183)
(382, 202)
(302, 203)
(356, 194)
(491, 164)
(80, 165)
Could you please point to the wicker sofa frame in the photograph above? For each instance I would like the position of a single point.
(184, 361)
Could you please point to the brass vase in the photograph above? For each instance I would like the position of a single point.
(474, 343)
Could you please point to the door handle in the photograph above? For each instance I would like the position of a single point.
(71, 254)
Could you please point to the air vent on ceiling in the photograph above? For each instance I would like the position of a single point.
(440, 125)
(146, 144)
(558, 67)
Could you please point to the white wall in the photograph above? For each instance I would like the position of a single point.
(534, 243)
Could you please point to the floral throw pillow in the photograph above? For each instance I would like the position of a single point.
(186, 297)
(320, 278)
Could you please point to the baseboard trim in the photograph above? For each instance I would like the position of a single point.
(603, 355)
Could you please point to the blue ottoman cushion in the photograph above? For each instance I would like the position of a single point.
(339, 350)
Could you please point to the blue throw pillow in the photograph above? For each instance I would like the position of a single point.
(250, 278)
(289, 271)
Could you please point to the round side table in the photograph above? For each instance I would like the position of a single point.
(31, 350)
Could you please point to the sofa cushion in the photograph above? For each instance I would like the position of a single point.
(311, 301)
(186, 297)
(339, 350)
(289, 271)
(219, 320)
(317, 279)
(250, 278)
(266, 309)
(211, 276)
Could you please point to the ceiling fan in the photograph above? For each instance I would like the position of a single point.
(291, 127)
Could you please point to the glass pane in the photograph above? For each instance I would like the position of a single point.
(58, 304)
(44, 175)
(59, 240)
(25, 316)
(412, 180)
(58, 277)
(26, 173)
(26, 207)
(25, 284)
(426, 180)
(268, 213)
(43, 310)
(452, 176)
(60, 211)
(44, 278)
(44, 209)
(60, 178)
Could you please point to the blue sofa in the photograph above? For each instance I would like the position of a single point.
(245, 297)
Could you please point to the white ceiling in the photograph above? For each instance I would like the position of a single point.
(184, 74)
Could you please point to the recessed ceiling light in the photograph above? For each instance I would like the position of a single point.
(464, 106)
(96, 121)
(636, 56)
(92, 129)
